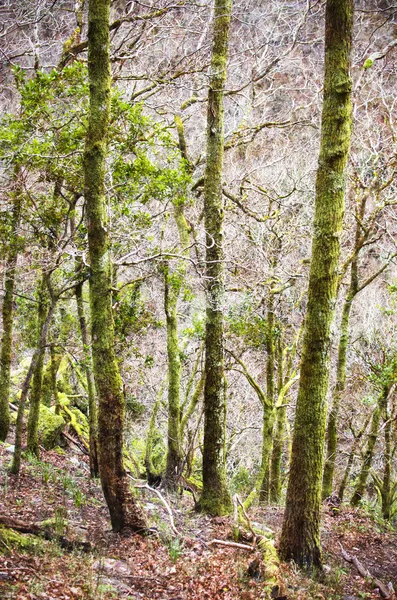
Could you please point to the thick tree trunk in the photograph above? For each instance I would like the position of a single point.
(7, 319)
(35, 393)
(124, 511)
(215, 498)
(300, 538)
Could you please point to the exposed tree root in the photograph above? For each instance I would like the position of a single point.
(386, 591)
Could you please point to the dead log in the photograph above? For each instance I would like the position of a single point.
(385, 591)
(41, 529)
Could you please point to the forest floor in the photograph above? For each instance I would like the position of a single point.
(57, 489)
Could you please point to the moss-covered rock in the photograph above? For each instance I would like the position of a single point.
(50, 427)
(12, 540)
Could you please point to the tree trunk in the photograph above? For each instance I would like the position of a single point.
(268, 420)
(346, 475)
(173, 283)
(124, 511)
(279, 434)
(35, 393)
(55, 361)
(332, 433)
(16, 463)
(215, 498)
(92, 401)
(7, 318)
(369, 453)
(300, 538)
(386, 491)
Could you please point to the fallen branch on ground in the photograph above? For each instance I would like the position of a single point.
(386, 591)
(231, 544)
(41, 529)
(172, 523)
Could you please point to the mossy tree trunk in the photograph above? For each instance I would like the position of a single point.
(300, 538)
(267, 429)
(124, 511)
(8, 315)
(92, 400)
(279, 433)
(332, 433)
(350, 460)
(173, 284)
(286, 377)
(386, 489)
(369, 452)
(35, 393)
(16, 463)
(215, 497)
(55, 361)
(269, 408)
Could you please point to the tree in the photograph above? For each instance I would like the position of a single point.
(215, 498)
(124, 511)
(300, 538)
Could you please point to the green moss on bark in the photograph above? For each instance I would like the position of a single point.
(215, 498)
(123, 509)
(300, 538)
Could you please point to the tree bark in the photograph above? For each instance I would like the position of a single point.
(369, 453)
(7, 318)
(269, 415)
(16, 463)
(173, 284)
(123, 509)
(215, 498)
(92, 401)
(35, 393)
(300, 538)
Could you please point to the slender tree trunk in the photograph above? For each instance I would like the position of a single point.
(174, 448)
(124, 511)
(369, 453)
(300, 538)
(7, 318)
(173, 284)
(16, 463)
(215, 498)
(354, 448)
(55, 361)
(386, 490)
(35, 393)
(268, 424)
(279, 434)
(332, 433)
(92, 401)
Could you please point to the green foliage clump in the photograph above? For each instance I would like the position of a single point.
(242, 481)
(134, 408)
(246, 322)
